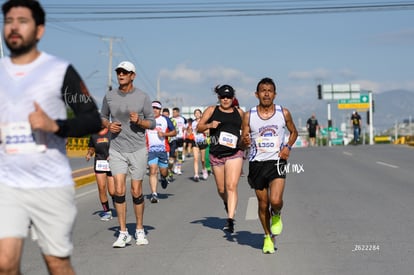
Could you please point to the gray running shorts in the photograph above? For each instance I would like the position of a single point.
(51, 211)
(134, 163)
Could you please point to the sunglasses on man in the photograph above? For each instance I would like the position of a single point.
(121, 71)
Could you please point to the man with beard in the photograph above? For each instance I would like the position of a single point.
(36, 186)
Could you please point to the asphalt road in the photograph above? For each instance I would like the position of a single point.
(348, 210)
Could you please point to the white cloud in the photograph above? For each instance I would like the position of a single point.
(227, 75)
(182, 73)
(213, 76)
(379, 87)
(317, 74)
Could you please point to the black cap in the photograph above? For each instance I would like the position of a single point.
(226, 90)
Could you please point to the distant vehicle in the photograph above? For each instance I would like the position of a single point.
(337, 137)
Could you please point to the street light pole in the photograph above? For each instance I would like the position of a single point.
(1, 47)
(329, 124)
(371, 122)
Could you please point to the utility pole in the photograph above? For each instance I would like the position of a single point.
(158, 89)
(1, 46)
(110, 54)
(371, 119)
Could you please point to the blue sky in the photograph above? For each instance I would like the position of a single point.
(191, 56)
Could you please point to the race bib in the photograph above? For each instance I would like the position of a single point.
(17, 138)
(200, 138)
(228, 140)
(102, 165)
(268, 144)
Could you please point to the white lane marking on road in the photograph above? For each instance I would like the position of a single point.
(387, 164)
(347, 153)
(251, 211)
(83, 194)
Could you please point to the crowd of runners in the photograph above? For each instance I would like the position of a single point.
(130, 137)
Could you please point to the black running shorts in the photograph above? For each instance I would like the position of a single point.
(262, 173)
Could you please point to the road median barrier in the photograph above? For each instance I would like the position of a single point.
(83, 176)
(382, 139)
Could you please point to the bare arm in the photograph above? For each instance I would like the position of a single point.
(203, 125)
(246, 140)
(91, 152)
(143, 123)
(113, 127)
(241, 113)
(290, 125)
(172, 133)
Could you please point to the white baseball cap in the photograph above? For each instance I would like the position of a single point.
(127, 66)
(156, 104)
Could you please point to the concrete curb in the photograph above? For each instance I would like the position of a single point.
(83, 176)
(84, 180)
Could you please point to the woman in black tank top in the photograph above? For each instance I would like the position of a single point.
(226, 157)
(229, 123)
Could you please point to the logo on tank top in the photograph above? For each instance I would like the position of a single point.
(268, 130)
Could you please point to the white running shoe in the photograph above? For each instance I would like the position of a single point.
(122, 240)
(141, 238)
(154, 198)
(205, 174)
(106, 216)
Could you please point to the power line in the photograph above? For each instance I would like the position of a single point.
(216, 9)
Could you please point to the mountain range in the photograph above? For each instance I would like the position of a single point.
(390, 107)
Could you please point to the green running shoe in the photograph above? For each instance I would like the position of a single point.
(268, 246)
(277, 225)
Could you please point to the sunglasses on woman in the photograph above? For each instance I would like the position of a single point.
(225, 96)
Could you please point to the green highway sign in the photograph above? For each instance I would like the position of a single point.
(364, 99)
(355, 103)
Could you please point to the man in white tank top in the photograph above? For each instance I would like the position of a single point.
(36, 185)
(263, 130)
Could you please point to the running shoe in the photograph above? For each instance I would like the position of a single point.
(229, 226)
(106, 216)
(196, 179)
(154, 198)
(268, 246)
(122, 240)
(277, 225)
(205, 174)
(179, 172)
(170, 174)
(141, 238)
(164, 182)
(170, 178)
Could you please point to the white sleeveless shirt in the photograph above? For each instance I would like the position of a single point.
(267, 135)
(25, 164)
